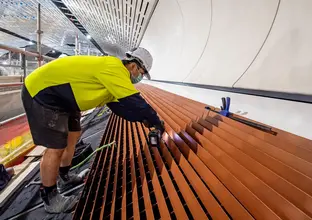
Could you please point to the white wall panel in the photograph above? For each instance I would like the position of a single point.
(176, 36)
(238, 31)
(185, 49)
(285, 62)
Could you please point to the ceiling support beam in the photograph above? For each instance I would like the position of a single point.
(39, 32)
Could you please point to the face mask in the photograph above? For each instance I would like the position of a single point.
(137, 79)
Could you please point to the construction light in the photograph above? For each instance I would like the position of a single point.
(88, 36)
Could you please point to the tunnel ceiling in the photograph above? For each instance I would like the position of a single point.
(59, 33)
(116, 25)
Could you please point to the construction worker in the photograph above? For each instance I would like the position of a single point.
(55, 94)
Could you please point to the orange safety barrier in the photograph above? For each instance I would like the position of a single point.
(15, 141)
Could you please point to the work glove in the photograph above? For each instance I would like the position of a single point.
(160, 127)
(147, 124)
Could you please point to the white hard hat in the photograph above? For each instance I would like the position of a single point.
(144, 57)
(62, 55)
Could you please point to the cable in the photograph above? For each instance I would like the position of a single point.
(98, 149)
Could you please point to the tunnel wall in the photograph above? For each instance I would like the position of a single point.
(11, 104)
(262, 45)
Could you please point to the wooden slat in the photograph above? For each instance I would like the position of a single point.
(252, 203)
(184, 104)
(294, 139)
(156, 185)
(173, 196)
(276, 202)
(235, 209)
(280, 185)
(176, 106)
(189, 197)
(209, 202)
(107, 179)
(287, 158)
(97, 169)
(271, 139)
(168, 120)
(169, 113)
(179, 113)
(119, 145)
(147, 199)
(298, 179)
(124, 175)
(135, 198)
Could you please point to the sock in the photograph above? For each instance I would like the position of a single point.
(48, 189)
(44, 192)
(64, 172)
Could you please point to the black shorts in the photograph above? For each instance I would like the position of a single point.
(49, 127)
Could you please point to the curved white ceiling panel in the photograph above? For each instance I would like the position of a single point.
(176, 36)
(116, 25)
(239, 28)
(20, 17)
(207, 42)
(285, 62)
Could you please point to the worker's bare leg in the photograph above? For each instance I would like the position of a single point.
(49, 166)
(69, 151)
(67, 180)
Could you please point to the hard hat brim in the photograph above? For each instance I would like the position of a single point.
(147, 75)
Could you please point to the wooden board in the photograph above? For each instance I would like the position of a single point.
(21, 167)
(28, 160)
(37, 151)
(15, 183)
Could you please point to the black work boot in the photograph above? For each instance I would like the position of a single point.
(68, 181)
(54, 202)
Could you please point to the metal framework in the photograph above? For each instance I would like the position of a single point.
(18, 50)
(58, 32)
(7, 39)
(22, 57)
(207, 167)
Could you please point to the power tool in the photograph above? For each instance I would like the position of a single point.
(154, 137)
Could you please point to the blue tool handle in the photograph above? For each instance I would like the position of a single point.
(228, 103)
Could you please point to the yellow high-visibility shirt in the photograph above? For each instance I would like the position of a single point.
(79, 83)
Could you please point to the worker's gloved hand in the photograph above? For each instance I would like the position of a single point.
(160, 127)
(147, 124)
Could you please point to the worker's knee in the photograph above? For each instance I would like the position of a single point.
(72, 138)
(74, 134)
(53, 152)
